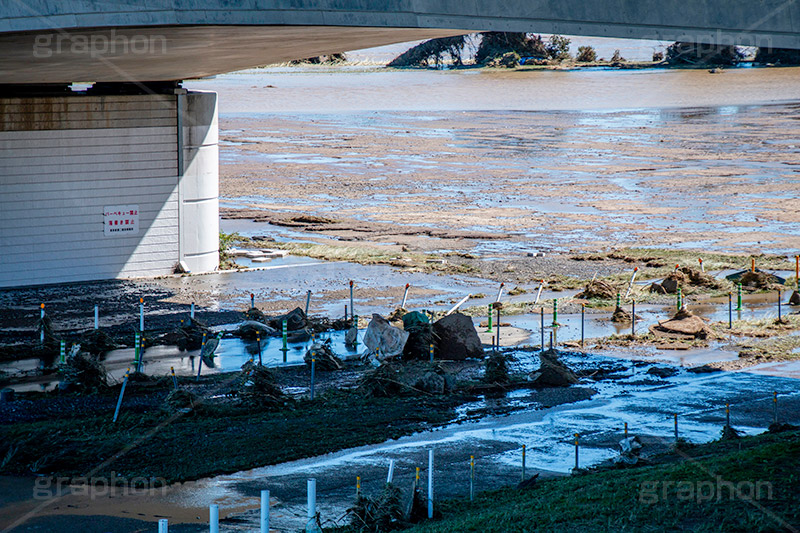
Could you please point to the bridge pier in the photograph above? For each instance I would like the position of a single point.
(98, 186)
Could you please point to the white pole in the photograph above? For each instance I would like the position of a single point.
(538, 294)
(405, 296)
(163, 526)
(41, 317)
(500, 292)
(213, 518)
(459, 304)
(191, 315)
(308, 301)
(141, 314)
(630, 285)
(391, 471)
(96, 317)
(311, 524)
(264, 511)
(430, 483)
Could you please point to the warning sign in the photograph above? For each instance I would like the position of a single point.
(121, 220)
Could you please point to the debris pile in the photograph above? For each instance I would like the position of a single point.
(757, 280)
(629, 450)
(390, 380)
(552, 372)
(420, 336)
(683, 277)
(378, 515)
(325, 358)
(497, 369)
(250, 329)
(180, 399)
(97, 342)
(621, 316)
(259, 389)
(683, 326)
(295, 320)
(599, 290)
(83, 372)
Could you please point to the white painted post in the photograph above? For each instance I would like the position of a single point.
(311, 523)
(96, 317)
(630, 285)
(500, 292)
(264, 511)
(163, 526)
(141, 314)
(213, 518)
(405, 296)
(538, 294)
(430, 483)
(391, 471)
(191, 313)
(459, 304)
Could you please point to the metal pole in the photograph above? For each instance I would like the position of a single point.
(680, 299)
(498, 327)
(430, 483)
(739, 296)
(555, 312)
(489, 329)
(41, 318)
(96, 317)
(390, 477)
(141, 315)
(576, 451)
(675, 415)
(311, 523)
(163, 526)
(252, 301)
(308, 301)
(471, 477)
(284, 335)
(313, 365)
(779, 305)
(626, 430)
(583, 317)
(405, 296)
(358, 486)
(62, 352)
(200, 357)
(191, 312)
(213, 518)
(542, 328)
(258, 344)
(728, 414)
(264, 511)
(551, 341)
(174, 378)
(121, 394)
(730, 310)
(775, 407)
(523, 462)
(630, 285)
(633, 318)
(352, 307)
(430, 347)
(538, 294)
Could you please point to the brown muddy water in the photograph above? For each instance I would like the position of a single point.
(545, 160)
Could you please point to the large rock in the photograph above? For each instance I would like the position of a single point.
(795, 298)
(295, 319)
(431, 382)
(552, 372)
(457, 338)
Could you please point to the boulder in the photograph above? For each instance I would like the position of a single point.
(657, 288)
(325, 358)
(457, 338)
(670, 284)
(552, 372)
(795, 298)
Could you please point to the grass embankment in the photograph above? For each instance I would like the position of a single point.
(217, 438)
(691, 492)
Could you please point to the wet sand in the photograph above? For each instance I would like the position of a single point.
(506, 183)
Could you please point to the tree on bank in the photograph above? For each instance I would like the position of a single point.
(496, 44)
(777, 56)
(586, 54)
(702, 54)
(432, 53)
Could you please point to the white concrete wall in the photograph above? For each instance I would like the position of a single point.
(63, 160)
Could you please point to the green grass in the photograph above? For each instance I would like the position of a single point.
(219, 439)
(652, 498)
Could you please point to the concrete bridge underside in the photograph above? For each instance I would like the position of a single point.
(50, 41)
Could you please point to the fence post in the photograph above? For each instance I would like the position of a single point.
(264, 511)
(775, 407)
(430, 483)
(311, 522)
(675, 416)
(471, 477)
(577, 444)
(523, 462)
(213, 518)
